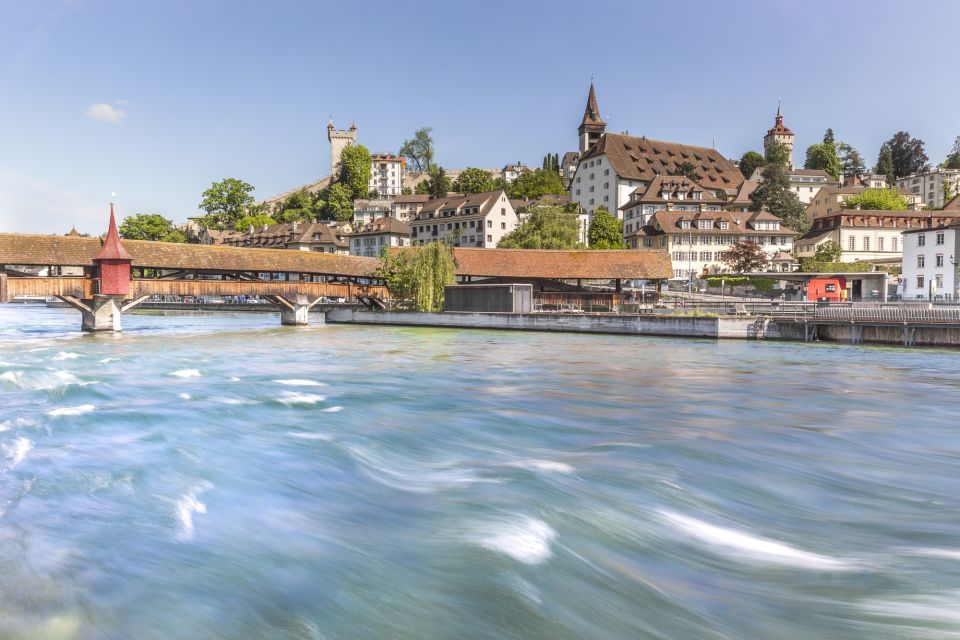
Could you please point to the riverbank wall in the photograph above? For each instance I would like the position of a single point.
(726, 327)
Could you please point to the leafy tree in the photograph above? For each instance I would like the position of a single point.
(176, 235)
(354, 172)
(300, 206)
(533, 184)
(422, 188)
(884, 165)
(606, 232)
(225, 202)
(473, 180)
(256, 221)
(416, 276)
(419, 149)
(687, 170)
(746, 256)
(947, 192)
(879, 199)
(828, 251)
(749, 162)
(906, 154)
(828, 137)
(823, 155)
(953, 158)
(851, 162)
(407, 191)
(337, 202)
(438, 185)
(149, 226)
(773, 194)
(545, 227)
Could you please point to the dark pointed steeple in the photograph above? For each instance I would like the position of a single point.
(592, 127)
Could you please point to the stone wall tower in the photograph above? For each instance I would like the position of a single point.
(592, 127)
(779, 134)
(339, 140)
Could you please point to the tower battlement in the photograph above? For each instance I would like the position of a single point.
(339, 140)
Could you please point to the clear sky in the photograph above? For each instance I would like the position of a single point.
(155, 100)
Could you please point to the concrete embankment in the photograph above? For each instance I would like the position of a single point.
(687, 326)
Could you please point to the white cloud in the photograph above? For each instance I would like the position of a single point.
(105, 113)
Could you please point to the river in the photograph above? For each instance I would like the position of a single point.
(220, 476)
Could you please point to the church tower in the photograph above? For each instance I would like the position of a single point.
(339, 140)
(779, 134)
(592, 127)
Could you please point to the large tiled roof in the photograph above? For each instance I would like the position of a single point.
(953, 205)
(414, 198)
(644, 159)
(738, 223)
(557, 265)
(383, 225)
(673, 185)
(742, 197)
(69, 251)
(485, 201)
(278, 235)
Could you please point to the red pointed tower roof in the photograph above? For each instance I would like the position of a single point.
(73, 231)
(112, 248)
(778, 126)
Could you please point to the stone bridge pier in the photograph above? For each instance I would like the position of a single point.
(296, 310)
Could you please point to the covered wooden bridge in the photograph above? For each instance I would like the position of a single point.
(103, 279)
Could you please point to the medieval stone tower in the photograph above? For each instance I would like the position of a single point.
(779, 134)
(339, 140)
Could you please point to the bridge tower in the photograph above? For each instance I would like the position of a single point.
(110, 286)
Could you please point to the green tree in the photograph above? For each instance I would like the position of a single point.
(255, 221)
(438, 185)
(337, 202)
(606, 232)
(473, 180)
(906, 154)
(746, 256)
(176, 235)
(884, 165)
(417, 276)
(851, 162)
(823, 155)
(419, 149)
(877, 199)
(773, 194)
(300, 206)
(147, 226)
(828, 251)
(947, 192)
(354, 171)
(953, 158)
(749, 162)
(544, 227)
(828, 137)
(687, 170)
(406, 191)
(422, 188)
(225, 202)
(533, 184)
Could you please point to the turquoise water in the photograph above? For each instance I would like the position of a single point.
(219, 476)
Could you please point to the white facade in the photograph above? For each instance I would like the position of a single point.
(386, 174)
(929, 185)
(372, 239)
(478, 220)
(511, 172)
(596, 183)
(929, 269)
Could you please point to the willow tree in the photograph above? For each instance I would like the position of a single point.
(416, 276)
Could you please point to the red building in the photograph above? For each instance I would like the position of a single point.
(832, 289)
(113, 264)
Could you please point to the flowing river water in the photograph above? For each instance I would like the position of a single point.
(220, 476)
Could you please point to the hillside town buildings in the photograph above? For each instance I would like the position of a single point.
(929, 185)
(370, 240)
(301, 236)
(386, 174)
(930, 263)
(830, 199)
(477, 220)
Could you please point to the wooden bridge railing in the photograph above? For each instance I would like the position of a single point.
(31, 287)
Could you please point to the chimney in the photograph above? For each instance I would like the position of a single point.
(857, 207)
(250, 229)
(264, 228)
(293, 226)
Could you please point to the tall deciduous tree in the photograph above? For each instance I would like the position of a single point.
(823, 155)
(337, 202)
(473, 180)
(879, 199)
(150, 226)
(749, 162)
(256, 221)
(773, 194)
(417, 276)
(953, 158)
(828, 251)
(606, 232)
(438, 184)
(545, 227)
(851, 162)
(226, 202)
(354, 172)
(533, 184)
(419, 149)
(906, 154)
(300, 206)
(746, 256)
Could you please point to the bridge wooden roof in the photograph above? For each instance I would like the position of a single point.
(24, 249)
(551, 264)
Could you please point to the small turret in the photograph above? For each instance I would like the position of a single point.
(113, 262)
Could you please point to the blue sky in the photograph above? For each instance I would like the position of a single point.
(155, 100)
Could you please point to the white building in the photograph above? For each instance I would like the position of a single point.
(371, 239)
(929, 185)
(366, 211)
(386, 174)
(476, 220)
(612, 166)
(407, 208)
(511, 172)
(930, 264)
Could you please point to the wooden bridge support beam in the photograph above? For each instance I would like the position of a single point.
(295, 312)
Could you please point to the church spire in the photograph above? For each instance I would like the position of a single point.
(112, 248)
(592, 127)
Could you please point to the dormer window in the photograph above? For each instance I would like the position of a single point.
(684, 224)
(724, 225)
(705, 224)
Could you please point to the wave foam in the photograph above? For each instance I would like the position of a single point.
(296, 382)
(309, 436)
(186, 506)
(295, 397)
(948, 554)
(106, 360)
(186, 373)
(40, 380)
(404, 474)
(524, 539)
(548, 466)
(749, 546)
(336, 409)
(66, 355)
(236, 401)
(71, 411)
(185, 396)
(17, 450)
